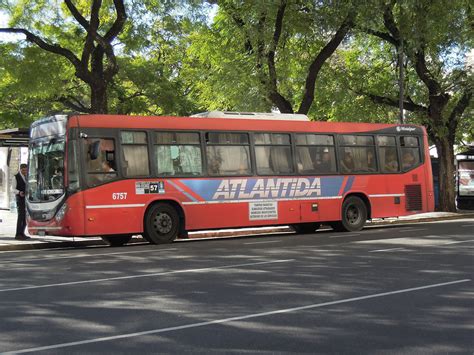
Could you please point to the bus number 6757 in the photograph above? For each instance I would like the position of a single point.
(119, 196)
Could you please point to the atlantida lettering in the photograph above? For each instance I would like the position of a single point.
(230, 189)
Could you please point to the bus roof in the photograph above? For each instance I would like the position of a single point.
(253, 115)
(190, 123)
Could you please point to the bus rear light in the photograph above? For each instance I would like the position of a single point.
(314, 207)
(61, 213)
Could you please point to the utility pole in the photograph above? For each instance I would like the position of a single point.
(401, 74)
(401, 82)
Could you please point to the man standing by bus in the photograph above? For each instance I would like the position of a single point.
(19, 188)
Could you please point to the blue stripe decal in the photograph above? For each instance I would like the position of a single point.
(265, 188)
(181, 190)
(348, 186)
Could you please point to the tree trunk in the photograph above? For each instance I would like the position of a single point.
(98, 98)
(446, 175)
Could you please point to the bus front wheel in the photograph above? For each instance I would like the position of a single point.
(161, 224)
(354, 215)
(117, 240)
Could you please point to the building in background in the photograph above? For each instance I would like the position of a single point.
(465, 179)
(13, 152)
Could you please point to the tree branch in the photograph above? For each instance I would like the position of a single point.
(75, 106)
(459, 109)
(424, 74)
(53, 48)
(119, 21)
(408, 104)
(321, 58)
(91, 28)
(282, 103)
(382, 35)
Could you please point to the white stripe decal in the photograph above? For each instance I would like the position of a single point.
(263, 200)
(181, 190)
(387, 195)
(44, 228)
(116, 206)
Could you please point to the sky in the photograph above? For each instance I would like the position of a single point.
(7, 37)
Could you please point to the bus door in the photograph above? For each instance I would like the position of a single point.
(99, 173)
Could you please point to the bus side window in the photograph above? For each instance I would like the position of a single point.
(315, 154)
(410, 150)
(228, 154)
(135, 153)
(178, 153)
(100, 169)
(389, 162)
(273, 154)
(357, 154)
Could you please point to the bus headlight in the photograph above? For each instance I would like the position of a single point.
(62, 211)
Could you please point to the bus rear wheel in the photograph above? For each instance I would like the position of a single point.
(117, 240)
(306, 228)
(161, 224)
(354, 215)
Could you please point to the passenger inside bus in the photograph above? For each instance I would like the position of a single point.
(371, 165)
(57, 179)
(347, 163)
(324, 165)
(107, 166)
(391, 163)
(408, 160)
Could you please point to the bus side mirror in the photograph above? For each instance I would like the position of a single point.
(94, 150)
(109, 155)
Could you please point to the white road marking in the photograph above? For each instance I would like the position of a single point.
(381, 250)
(412, 230)
(458, 242)
(467, 225)
(234, 319)
(345, 235)
(266, 242)
(144, 275)
(425, 241)
(81, 256)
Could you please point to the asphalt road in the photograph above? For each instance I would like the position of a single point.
(392, 289)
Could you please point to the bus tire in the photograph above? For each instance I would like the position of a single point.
(116, 240)
(354, 215)
(161, 224)
(306, 228)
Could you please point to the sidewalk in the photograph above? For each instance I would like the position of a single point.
(8, 226)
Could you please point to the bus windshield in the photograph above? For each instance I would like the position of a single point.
(45, 171)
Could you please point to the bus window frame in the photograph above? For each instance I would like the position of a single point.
(421, 158)
(292, 151)
(100, 133)
(333, 146)
(120, 165)
(205, 144)
(340, 145)
(397, 150)
(153, 157)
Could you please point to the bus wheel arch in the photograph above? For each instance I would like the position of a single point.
(355, 210)
(163, 222)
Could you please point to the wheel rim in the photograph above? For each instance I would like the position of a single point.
(163, 223)
(353, 215)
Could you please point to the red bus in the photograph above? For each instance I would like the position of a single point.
(116, 176)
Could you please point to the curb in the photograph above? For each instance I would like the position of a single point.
(421, 220)
(212, 235)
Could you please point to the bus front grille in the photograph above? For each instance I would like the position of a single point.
(413, 198)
